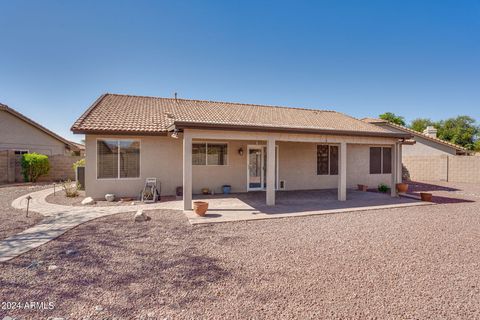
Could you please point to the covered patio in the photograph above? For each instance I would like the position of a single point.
(252, 205)
(352, 167)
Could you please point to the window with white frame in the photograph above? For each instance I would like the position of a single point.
(209, 153)
(117, 159)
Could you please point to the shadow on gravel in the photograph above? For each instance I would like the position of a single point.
(415, 186)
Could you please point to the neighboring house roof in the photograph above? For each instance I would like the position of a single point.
(126, 114)
(381, 122)
(17, 114)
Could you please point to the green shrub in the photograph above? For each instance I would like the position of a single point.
(382, 188)
(79, 163)
(34, 165)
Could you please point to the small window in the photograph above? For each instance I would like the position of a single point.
(380, 160)
(327, 160)
(21, 151)
(210, 154)
(118, 159)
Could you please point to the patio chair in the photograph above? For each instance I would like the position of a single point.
(150, 191)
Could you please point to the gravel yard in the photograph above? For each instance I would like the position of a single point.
(405, 263)
(14, 221)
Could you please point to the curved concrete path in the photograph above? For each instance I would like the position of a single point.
(59, 219)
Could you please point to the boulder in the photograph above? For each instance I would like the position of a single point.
(141, 216)
(110, 197)
(52, 267)
(88, 201)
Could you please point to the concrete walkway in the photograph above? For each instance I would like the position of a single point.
(59, 219)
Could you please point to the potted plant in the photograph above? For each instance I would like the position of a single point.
(362, 187)
(200, 208)
(402, 187)
(382, 188)
(426, 196)
(226, 188)
(205, 191)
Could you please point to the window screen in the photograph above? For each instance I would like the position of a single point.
(322, 159)
(375, 160)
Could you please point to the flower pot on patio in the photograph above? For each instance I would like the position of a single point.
(226, 189)
(362, 187)
(402, 187)
(426, 196)
(200, 208)
(205, 191)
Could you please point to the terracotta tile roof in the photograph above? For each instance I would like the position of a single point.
(114, 113)
(381, 122)
(69, 144)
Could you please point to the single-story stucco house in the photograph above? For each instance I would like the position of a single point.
(198, 144)
(426, 142)
(23, 135)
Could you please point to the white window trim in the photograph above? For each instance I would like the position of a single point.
(206, 153)
(118, 159)
(329, 160)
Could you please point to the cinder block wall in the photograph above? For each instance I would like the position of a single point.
(7, 166)
(443, 168)
(61, 167)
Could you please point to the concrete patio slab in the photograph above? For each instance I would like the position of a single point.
(251, 206)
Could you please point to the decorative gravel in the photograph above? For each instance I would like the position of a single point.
(13, 221)
(405, 263)
(60, 198)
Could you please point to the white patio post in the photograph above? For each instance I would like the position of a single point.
(342, 173)
(187, 171)
(399, 164)
(394, 170)
(270, 172)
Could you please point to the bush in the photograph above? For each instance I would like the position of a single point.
(34, 165)
(382, 188)
(79, 163)
(71, 189)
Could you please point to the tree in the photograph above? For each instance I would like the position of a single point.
(392, 117)
(421, 124)
(461, 130)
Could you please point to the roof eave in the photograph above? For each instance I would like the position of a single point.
(219, 126)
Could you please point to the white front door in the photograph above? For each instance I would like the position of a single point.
(257, 167)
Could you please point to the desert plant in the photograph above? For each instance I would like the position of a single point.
(34, 165)
(70, 188)
(79, 163)
(382, 187)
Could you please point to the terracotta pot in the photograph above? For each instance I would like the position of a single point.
(402, 187)
(426, 196)
(200, 208)
(362, 187)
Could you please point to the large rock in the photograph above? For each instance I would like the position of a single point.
(141, 216)
(88, 201)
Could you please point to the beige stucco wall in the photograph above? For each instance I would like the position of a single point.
(423, 147)
(161, 157)
(17, 134)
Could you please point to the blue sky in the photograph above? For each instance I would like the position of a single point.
(415, 58)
